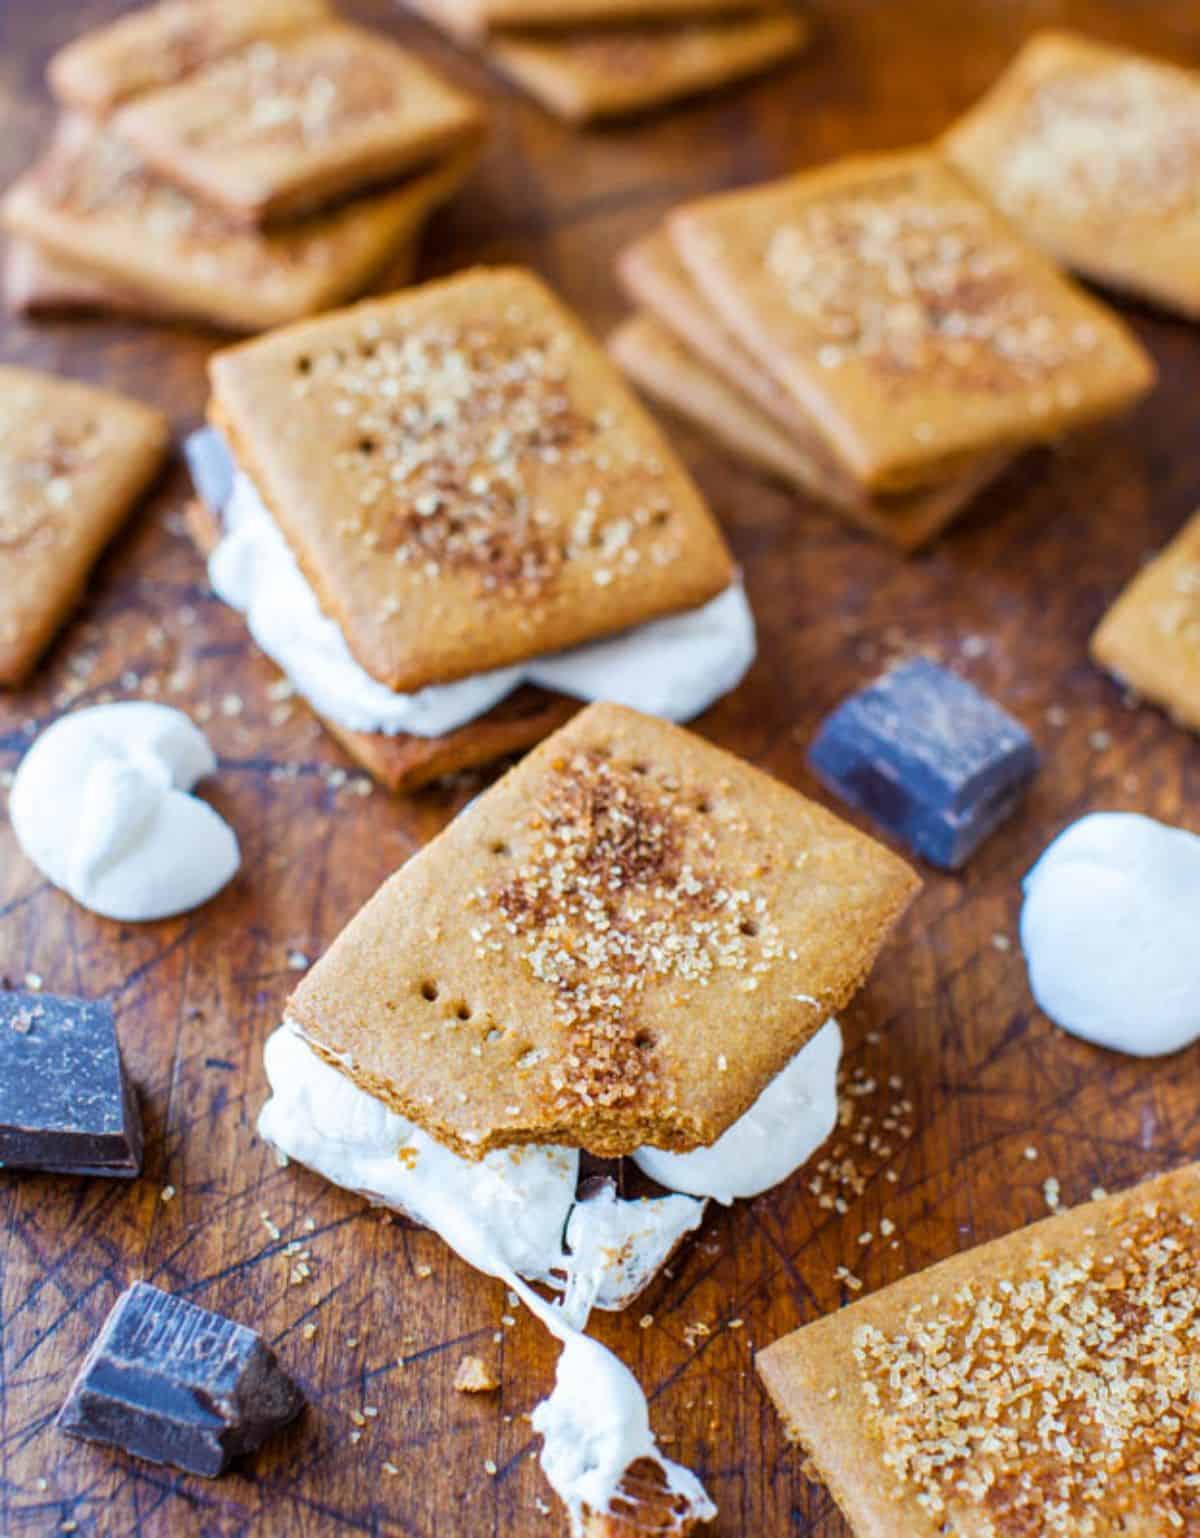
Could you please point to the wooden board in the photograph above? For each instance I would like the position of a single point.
(1009, 598)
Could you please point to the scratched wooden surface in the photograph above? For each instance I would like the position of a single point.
(956, 1077)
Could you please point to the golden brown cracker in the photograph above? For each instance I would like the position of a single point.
(1150, 638)
(465, 479)
(287, 125)
(92, 204)
(619, 944)
(73, 461)
(1094, 152)
(614, 71)
(1041, 1383)
(157, 45)
(898, 308)
(656, 361)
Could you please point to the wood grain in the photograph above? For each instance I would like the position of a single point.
(1009, 598)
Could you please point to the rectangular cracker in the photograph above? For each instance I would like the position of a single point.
(92, 204)
(609, 72)
(655, 278)
(73, 461)
(1150, 638)
(157, 45)
(471, 20)
(899, 309)
(620, 943)
(406, 763)
(659, 363)
(465, 479)
(1043, 1383)
(36, 282)
(654, 275)
(1094, 153)
(285, 126)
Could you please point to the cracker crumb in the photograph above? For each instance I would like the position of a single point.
(474, 1376)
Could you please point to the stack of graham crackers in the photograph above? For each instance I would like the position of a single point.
(240, 162)
(873, 333)
(591, 59)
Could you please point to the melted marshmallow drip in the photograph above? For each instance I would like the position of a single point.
(617, 1247)
(674, 667)
(100, 804)
(505, 1215)
(781, 1131)
(1110, 928)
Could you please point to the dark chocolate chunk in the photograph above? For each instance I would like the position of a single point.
(929, 757)
(66, 1105)
(211, 465)
(175, 1383)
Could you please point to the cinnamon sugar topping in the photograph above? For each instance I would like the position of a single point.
(617, 892)
(907, 284)
(295, 95)
(1063, 1400)
(460, 436)
(93, 175)
(1105, 144)
(38, 460)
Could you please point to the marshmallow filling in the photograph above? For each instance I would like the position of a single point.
(674, 667)
(516, 1215)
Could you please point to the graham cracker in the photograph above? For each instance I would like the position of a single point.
(160, 44)
(659, 363)
(474, 19)
(36, 282)
(619, 944)
(287, 125)
(898, 308)
(73, 461)
(92, 205)
(655, 278)
(465, 479)
(609, 72)
(405, 763)
(1041, 1383)
(1150, 638)
(644, 1503)
(1094, 152)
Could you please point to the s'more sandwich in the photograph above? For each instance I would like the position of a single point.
(634, 944)
(446, 518)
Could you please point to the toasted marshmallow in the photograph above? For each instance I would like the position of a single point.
(101, 805)
(1111, 933)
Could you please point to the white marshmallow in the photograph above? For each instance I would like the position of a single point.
(1111, 932)
(617, 1247)
(100, 804)
(321, 1118)
(505, 1215)
(781, 1131)
(594, 1426)
(674, 667)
